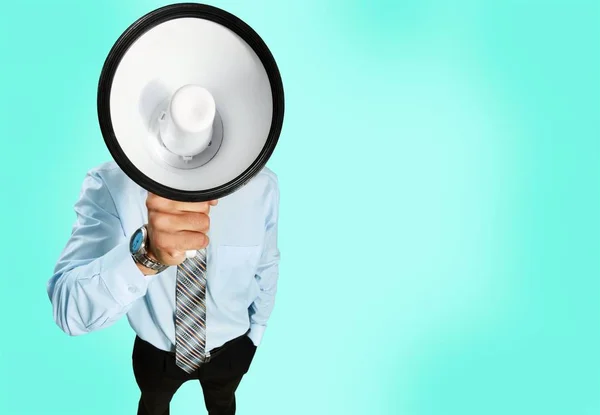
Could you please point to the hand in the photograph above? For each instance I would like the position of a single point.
(176, 227)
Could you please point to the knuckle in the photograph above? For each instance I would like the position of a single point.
(172, 253)
(178, 257)
(204, 207)
(202, 240)
(195, 241)
(150, 201)
(156, 203)
(192, 220)
(201, 222)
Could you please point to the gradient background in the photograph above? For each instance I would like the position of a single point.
(439, 166)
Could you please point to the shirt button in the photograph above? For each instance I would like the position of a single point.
(132, 289)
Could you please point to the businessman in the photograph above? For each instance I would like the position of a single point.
(201, 317)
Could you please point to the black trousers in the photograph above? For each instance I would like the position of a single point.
(158, 377)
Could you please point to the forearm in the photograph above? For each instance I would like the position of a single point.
(94, 295)
(261, 309)
(95, 280)
(267, 273)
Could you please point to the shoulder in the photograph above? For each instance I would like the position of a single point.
(110, 176)
(264, 187)
(108, 169)
(261, 193)
(268, 178)
(267, 172)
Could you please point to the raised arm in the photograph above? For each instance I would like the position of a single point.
(95, 280)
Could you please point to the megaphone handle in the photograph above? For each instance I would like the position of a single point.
(190, 254)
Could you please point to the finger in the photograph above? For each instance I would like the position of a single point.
(172, 247)
(161, 204)
(187, 241)
(164, 255)
(177, 222)
(176, 257)
(171, 257)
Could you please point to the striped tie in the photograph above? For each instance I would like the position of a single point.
(190, 315)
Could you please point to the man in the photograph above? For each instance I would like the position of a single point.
(198, 318)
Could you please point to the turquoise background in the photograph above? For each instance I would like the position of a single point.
(440, 208)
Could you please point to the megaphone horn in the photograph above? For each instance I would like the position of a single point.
(190, 102)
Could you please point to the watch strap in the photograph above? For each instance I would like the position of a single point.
(145, 260)
(141, 256)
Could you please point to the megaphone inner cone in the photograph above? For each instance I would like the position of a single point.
(186, 127)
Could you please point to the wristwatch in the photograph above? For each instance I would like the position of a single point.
(137, 246)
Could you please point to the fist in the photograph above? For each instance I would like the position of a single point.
(176, 227)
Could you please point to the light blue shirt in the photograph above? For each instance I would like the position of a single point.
(96, 281)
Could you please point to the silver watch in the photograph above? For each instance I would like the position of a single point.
(137, 246)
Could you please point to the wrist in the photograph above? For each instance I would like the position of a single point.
(256, 333)
(142, 255)
(145, 270)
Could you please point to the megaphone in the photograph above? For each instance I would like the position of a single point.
(190, 102)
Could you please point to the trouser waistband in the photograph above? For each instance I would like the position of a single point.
(217, 350)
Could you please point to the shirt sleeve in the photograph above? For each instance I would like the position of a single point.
(267, 273)
(95, 280)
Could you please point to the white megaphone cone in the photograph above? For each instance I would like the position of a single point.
(190, 102)
(186, 127)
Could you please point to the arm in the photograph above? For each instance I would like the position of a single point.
(267, 273)
(95, 280)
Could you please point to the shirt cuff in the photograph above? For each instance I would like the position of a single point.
(256, 333)
(125, 281)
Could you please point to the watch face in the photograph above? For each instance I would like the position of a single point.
(136, 241)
